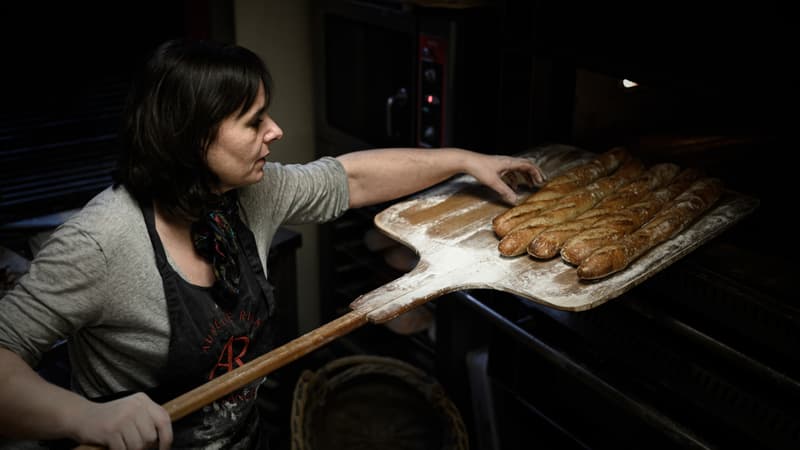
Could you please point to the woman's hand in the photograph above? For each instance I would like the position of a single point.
(133, 422)
(504, 174)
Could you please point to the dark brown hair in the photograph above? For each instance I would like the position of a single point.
(173, 113)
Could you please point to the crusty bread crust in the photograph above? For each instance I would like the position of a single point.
(669, 221)
(570, 206)
(547, 244)
(613, 226)
(548, 195)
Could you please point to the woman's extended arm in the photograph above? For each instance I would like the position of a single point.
(379, 175)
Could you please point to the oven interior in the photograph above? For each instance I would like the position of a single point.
(703, 354)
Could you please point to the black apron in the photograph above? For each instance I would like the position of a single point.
(207, 341)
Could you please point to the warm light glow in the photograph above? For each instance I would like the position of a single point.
(628, 84)
(430, 99)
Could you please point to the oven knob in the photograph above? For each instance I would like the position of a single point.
(429, 134)
(430, 75)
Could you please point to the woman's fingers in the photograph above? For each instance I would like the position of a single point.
(133, 422)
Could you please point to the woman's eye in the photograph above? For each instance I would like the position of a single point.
(256, 123)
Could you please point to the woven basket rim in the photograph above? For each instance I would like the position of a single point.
(312, 387)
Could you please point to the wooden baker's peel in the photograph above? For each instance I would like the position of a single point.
(449, 226)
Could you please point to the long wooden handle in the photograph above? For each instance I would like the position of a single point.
(259, 367)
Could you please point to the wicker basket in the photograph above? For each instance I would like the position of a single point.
(376, 403)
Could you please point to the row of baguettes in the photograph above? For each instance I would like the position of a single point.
(613, 211)
(548, 195)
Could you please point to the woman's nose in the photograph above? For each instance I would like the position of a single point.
(274, 132)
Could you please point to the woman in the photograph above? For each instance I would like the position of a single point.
(159, 283)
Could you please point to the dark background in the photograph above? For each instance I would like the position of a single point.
(55, 53)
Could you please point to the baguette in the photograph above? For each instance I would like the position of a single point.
(670, 221)
(547, 244)
(547, 196)
(577, 177)
(570, 206)
(612, 227)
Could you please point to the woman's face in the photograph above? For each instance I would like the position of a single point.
(238, 154)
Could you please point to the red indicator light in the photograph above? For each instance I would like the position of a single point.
(430, 99)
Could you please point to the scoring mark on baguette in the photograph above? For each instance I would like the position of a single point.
(671, 220)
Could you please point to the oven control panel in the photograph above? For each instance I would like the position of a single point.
(432, 71)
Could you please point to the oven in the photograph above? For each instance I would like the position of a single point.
(398, 74)
(702, 354)
(395, 74)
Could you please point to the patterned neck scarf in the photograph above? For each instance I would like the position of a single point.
(215, 240)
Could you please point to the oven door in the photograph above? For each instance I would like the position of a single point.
(369, 68)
